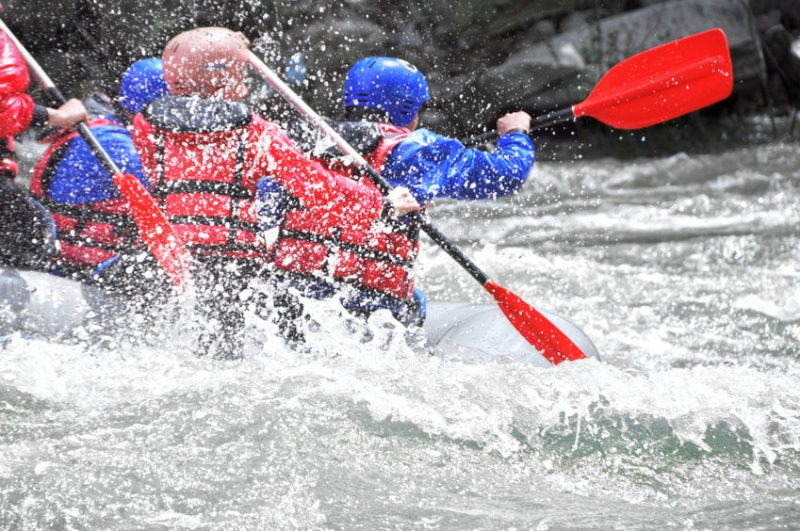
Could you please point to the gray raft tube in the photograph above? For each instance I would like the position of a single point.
(42, 305)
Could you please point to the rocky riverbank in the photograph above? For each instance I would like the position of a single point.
(481, 58)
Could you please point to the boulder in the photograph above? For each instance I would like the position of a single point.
(790, 14)
(784, 68)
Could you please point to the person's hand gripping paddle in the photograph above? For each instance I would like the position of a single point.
(156, 231)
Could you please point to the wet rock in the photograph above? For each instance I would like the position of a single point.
(784, 68)
(767, 20)
(481, 58)
(790, 14)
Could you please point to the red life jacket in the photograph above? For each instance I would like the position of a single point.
(378, 260)
(198, 173)
(88, 233)
(16, 107)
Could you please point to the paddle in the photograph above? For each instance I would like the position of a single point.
(153, 225)
(547, 338)
(653, 86)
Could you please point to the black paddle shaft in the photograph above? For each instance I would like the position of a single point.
(52, 91)
(86, 133)
(540, 122)
(435, 234)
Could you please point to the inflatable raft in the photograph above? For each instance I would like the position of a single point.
(466, 331)
(43, 305)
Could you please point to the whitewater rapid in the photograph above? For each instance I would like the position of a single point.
(682, 270)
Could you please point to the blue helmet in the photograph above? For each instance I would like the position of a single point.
(387, 84)
(142, 83)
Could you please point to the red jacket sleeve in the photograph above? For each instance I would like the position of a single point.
(339, 199)
(16, 107)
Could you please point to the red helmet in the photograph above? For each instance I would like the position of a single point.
(207, 62)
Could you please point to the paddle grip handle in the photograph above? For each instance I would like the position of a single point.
(539, 122)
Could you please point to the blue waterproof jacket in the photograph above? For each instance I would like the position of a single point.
(80, 178)
(432, 165)
(92, 225)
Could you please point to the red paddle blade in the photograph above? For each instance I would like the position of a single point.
(545, 337)
(663, 83)
(156, 231)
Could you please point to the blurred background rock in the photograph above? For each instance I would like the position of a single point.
(481, 57)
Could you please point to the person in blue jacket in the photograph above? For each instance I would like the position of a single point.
(382, 100)
(93, 223)
(386, 90)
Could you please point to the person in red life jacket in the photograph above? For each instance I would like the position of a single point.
(382, 99)
(93, 222)
(204, 152)
(26, 229)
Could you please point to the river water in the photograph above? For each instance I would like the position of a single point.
(681, 269)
